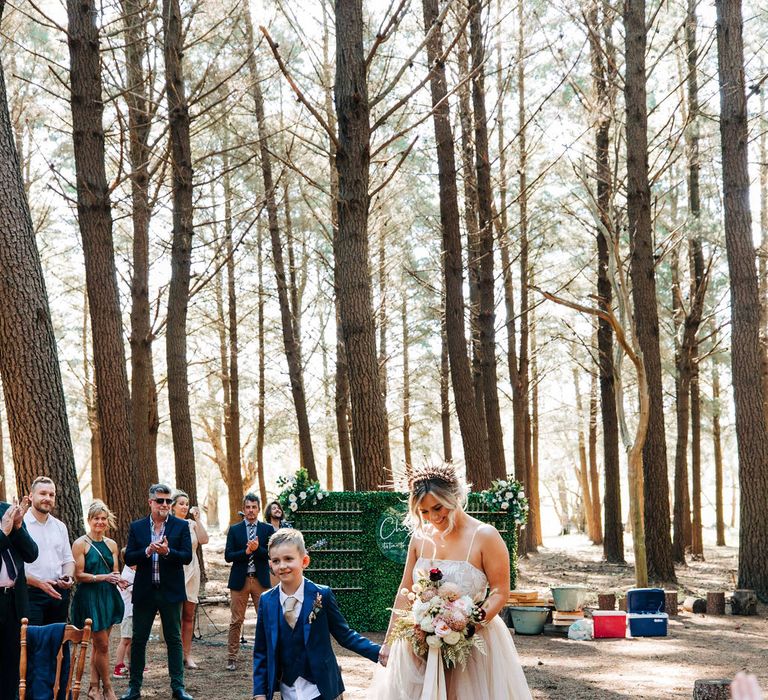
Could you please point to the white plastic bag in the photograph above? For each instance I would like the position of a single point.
(581, 630)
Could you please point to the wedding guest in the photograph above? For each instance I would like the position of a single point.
(247, 550)
(128, 574)
(50, 576)
(98, 593)
(159, 546)
(274, 515)
(16, 549)
(180, 508)
(292, 652)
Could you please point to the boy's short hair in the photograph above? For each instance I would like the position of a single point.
(288, 535)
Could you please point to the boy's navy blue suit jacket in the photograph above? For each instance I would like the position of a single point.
(171, 567)
(237, 540)
(328, 621)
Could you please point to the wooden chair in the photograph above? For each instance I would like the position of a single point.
(79, 640)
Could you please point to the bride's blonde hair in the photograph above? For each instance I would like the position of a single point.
(444, 483)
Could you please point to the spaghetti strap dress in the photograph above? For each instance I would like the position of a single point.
(101, 601)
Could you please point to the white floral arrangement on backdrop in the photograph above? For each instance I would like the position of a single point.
(298, 490)
(507, 495)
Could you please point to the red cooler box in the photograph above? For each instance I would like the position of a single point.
(609, 624)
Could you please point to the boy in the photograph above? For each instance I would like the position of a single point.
(292, 652)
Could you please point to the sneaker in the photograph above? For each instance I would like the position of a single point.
(121, 671)
(231, 665)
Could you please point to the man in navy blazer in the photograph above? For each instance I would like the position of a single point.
(292, 651)
(159, 546)
(16, 548)
(249, 577)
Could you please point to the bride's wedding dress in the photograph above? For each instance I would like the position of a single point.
(493, 675)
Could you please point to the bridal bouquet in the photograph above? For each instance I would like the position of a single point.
(440, 617)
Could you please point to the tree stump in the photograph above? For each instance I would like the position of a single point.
(719, 689)
(716, 603)
(606, 601)
(695, 605)
(744, 602)
(670, 602)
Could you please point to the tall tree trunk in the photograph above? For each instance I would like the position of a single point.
(716, 443)
(341, 375)
(583, 470)
(3, 492)
(763, 255)
(261, 402)
(594, 479)
(681, 517)
(487, 314)
(92, 412)
(95, 220)
(382, 328)
(603, 71)
(370, 444)
(29, 365)
(181, 251)
(534, 502)
(472, 429)
(696, 265)
(290, 340)
(656, 491)
(406, 384)
(229, 327)
(144, 417)
(445, 378)
(471, 222)
(746, 357)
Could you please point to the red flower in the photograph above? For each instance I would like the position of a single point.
(435, 574)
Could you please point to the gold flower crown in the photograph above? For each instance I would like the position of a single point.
(444, 471)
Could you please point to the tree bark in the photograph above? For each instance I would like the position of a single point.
(716, 443)
(29, 366)
(261, 420)
(406, 384)
(603, 70)
(746, 357)
(144, 417)
(95, 220)
(472, 429)
(445, 378)
(594, 479)
(98, 488)
(656, 491)
(291, 343)
(3, 492)
(181, 251)
(370, 444)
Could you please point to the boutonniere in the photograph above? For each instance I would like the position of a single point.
(317, 606)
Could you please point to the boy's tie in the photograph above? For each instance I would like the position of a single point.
(289, 610)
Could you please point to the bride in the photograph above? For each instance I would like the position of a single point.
(473, 556)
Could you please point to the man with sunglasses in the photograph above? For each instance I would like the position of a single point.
(158, 546)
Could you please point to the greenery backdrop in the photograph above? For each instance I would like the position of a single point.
(341, 534)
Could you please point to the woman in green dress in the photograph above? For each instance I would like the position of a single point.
(98, 576)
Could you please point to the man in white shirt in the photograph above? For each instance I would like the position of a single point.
(51, 575)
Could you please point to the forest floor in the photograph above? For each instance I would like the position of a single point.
(698, 646)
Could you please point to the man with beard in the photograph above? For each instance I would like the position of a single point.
(51, 575)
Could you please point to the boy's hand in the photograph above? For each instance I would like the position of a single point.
(384, 654)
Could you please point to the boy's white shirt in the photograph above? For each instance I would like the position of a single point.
(302, 689)
(127, 593)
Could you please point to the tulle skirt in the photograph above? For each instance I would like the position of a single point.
(493, 675)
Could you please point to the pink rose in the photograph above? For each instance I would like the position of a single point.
(450, 591)
(442, 628)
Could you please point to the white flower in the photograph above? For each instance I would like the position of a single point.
(294, 507)
(520, 496)
(292, 498)
(427, 624)
(452, 638)
(434, 641)
(502, 483)
(319, 496)
(505, 506)
(508, 495)
(303, 495)
(404, 591)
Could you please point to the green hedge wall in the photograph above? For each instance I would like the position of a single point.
(341, 534)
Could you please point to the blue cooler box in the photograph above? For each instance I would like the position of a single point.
(645, 612)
